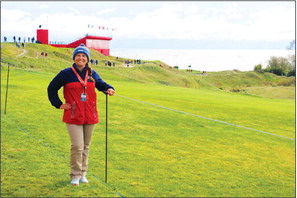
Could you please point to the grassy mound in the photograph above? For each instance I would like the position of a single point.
(147, 72)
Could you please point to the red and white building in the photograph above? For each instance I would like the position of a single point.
(99, 43)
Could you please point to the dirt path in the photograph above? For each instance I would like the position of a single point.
(21, 54)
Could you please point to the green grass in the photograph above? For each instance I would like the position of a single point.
(153, 152)
(280, 92)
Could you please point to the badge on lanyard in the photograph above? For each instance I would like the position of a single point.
(83, 96)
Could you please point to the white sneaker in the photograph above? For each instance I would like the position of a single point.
(75, 182)
(83, 179)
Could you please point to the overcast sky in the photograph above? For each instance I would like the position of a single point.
(176, 24)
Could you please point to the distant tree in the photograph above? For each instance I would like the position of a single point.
(278, 65)
(258, 68)
(282, 66)
(292, 58)
(292, 62)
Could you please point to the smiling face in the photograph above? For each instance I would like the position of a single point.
(80, 60)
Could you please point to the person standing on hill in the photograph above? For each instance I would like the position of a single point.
(80, 109)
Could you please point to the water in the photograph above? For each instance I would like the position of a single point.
(204, 60)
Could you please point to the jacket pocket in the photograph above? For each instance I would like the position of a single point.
(73, 107)
(94, 110)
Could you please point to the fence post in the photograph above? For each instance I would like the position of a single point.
(6, 95)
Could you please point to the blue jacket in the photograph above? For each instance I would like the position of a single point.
(81, 112)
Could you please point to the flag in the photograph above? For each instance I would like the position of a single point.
(100, 27)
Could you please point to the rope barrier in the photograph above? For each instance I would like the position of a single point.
(223, 122)
(219, 121)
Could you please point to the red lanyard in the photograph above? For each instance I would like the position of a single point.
(83, 83)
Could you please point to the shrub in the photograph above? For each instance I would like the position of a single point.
(291, 73)
(258, 68)
(278, 65)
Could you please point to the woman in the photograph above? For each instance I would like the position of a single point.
(80, 110)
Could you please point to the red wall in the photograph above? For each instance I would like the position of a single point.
(105, 52)
(42, 36)
(83, 40)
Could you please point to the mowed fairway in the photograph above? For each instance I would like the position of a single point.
(153, 152)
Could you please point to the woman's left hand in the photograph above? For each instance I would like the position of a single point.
(110, 92)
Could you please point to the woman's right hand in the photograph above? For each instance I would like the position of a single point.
(65, 106)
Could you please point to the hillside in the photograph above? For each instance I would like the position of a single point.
(208, 141)
(146, 72)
